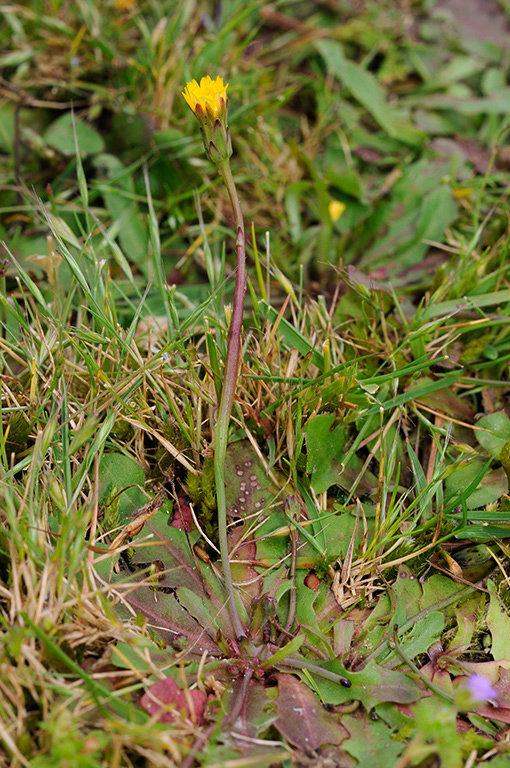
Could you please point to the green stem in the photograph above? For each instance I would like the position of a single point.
(228, 394)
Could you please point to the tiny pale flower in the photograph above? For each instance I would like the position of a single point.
(209, 103)
(475, 691)
(480, 688)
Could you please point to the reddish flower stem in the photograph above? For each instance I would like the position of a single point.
(230, 380)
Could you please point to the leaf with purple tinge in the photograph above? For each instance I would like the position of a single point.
(184, 599)
(212, 618)
(302, 720)
(166, 616)
(243, 549)
(172, 548)
(181, 568)
(248, 488)
(167, 702)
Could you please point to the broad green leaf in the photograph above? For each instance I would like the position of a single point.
(488, 490)
(365, 88)
(60, 135)
(370, 741)
(498, 622)
(168, 619)
(248, 489)
(257, 713)
(348, 181)
(325, 451)
(119, 474)
(409, 592)
(420, 637)
(497, 434)
(118, 191)
(440, 592)
(372, 685)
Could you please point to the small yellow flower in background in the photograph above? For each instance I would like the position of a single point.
(209, 103)
(461, 192)
(336, 208)
(124, 5)
(211, 95)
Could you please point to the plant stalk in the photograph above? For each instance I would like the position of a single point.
(226, 405)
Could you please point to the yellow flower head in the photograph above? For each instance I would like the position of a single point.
(209, 103)
(210, 96)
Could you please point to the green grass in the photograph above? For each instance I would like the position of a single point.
(371, 428)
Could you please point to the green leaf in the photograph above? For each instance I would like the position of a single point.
(348, 182)
(325, 451)
(422, 635)
(282, 653)
(498, 432)
(257, 713)
(118, 191)
(249, 490)
(365, 88)
(498, 622)
(116, 473)
(372, 685)
(488, 490)
(60, 135)
(370, 741)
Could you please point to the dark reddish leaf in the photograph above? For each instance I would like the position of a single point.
(312, 581)
(243, 572)
(368, 154)
(302, 719)
(182, 517)
(166, 700)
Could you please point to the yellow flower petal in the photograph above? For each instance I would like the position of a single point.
(210, 94)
